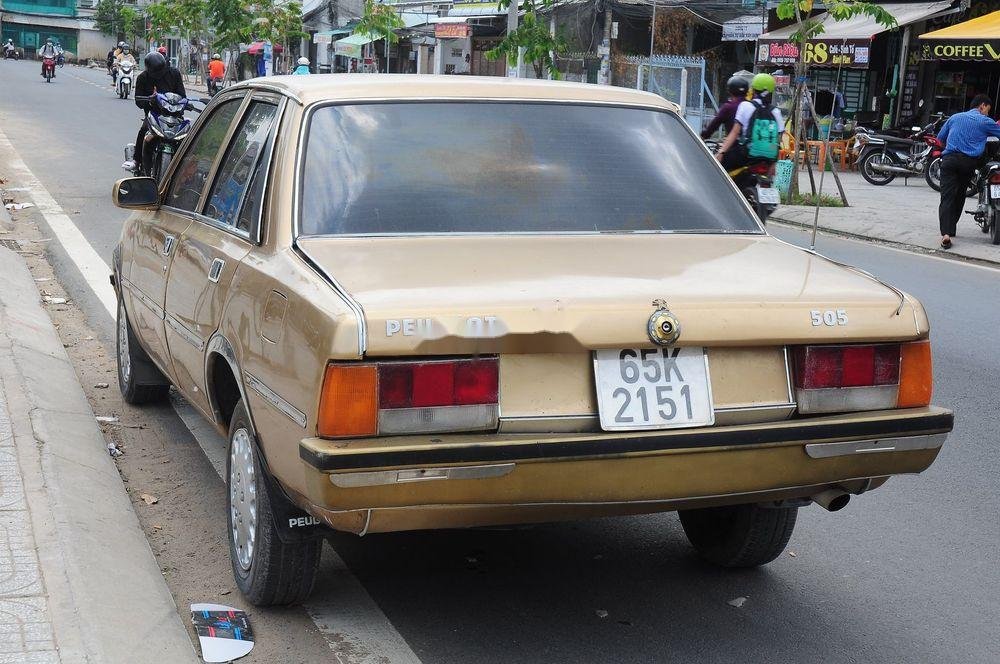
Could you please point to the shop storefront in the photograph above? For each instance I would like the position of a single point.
(857, 58)
(357, 52)
(964, 60)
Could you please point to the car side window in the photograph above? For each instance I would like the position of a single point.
(191, 173)
(254, 199)
(240, 163)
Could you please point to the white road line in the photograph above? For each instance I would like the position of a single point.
(354, 627)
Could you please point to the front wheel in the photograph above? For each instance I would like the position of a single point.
(267, 570)
(933, 174)
(877, 178)
(139, 380)
(739, 535)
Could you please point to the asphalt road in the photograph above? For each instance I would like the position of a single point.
(910, 572)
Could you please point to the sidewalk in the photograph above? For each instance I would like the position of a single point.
(78, 582)
(897, 213)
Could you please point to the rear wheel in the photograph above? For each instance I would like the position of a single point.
(877, 178)
(267, 570)
(933, 174)
(994, 223)
(739, 535)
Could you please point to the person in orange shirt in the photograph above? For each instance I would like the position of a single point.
(216, 72)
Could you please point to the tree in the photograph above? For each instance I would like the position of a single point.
(534, 37)
(118, 20)
(279, 23)
(807, 28)
(381, 20)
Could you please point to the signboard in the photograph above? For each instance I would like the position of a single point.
(347, 50)
(746, 28)
(322, 39)
(452, 30)
(852, 53)
(962, 49)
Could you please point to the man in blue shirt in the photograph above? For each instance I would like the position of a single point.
(964, 136)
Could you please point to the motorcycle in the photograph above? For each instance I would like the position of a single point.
(48, 68)
(881, 157)
(168, 128)
(124, 85)
(60, 60)
(754, 182)
(11, 54)
(987, 184)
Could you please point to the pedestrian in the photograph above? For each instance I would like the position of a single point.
(964, 136)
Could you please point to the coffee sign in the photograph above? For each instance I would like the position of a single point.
(962, 49)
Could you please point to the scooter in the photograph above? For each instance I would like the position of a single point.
(987, 184)
(124, 85)
(167, 128)
(754, 182)
(48, 68)
(11, 53)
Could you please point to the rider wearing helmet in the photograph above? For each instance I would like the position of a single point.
(216, 72)
(158, 76)
(124, 56)
(756, 132)
(9, 48)
(303, 66)
(738, 87)
(47, 51)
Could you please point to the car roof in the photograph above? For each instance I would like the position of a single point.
(340, 87)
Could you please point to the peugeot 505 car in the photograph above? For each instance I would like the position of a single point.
(437, 302)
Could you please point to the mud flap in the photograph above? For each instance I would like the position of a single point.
(290, 522)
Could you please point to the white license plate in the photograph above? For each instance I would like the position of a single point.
(653, 388)
(995, 191)
(768, 196)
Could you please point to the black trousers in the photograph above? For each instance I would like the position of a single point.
(956, 172)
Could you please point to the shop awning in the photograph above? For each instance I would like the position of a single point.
(482, 8)
(351, 46)
(976, 39)
(842, 43)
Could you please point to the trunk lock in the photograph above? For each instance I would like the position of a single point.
(663, 327)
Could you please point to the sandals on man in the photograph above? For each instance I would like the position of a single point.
(946, 243)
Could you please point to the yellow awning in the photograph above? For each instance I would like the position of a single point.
(984, 27)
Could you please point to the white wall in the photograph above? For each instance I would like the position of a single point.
(453, 54)
(93, 44)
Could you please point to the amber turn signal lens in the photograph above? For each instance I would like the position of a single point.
(916, 379)
(349, 403)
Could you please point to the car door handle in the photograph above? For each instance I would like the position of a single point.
(168, 244)
(215, 271)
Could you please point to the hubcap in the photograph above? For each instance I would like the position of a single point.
(242, 497)
(124, 362)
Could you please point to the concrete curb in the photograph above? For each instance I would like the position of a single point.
(917, 249)
(106, 594)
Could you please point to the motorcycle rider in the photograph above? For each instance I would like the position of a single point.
(964, 135)
(48, 50)
(158, 77)
(216, 72)
(303, 66)
(9, 50)
(738, 88)
(757, 128)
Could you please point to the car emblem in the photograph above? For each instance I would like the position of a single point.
(663, 327)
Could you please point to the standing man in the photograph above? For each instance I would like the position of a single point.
(964, 136)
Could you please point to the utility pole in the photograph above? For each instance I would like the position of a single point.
(512, 11)
(604, 77)
(652, 30)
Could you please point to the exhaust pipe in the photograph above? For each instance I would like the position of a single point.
(832, 500)
(882, 168)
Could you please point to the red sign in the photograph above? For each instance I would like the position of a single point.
(818, 52)
(452, 30)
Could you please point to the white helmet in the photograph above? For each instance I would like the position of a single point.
(216, 56)
(303, 61)
(121, 44)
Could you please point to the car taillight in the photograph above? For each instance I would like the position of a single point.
(833, 379)
(760, 169)
(386, 398)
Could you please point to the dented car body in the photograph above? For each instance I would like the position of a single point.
(433, 302)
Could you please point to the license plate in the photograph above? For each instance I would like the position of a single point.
(995, 191)
(653, 388)
(768, 196)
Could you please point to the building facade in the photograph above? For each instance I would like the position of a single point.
(70, 22)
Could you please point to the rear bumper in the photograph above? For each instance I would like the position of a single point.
(678, 465)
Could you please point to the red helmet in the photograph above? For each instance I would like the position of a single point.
(162, 51)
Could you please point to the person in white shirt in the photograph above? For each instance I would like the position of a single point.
(742, 145)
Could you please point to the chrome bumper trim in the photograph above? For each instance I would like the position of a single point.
(383, 477)
(826, 450)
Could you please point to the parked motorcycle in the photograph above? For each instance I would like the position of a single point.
(124, 85)
(48, 69)
(754, 181)
(881, 157)
(168, 126)
(987, 183)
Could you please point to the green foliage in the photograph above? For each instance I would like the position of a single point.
(380, 20)
(279, 23)
(115, 18)
(840, 10)
(232, 21)
(184, 16)
(532, 34)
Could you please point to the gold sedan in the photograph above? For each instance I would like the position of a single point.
(434, 302)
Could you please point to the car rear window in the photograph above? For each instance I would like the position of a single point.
(430, 167)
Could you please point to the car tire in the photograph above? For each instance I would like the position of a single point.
(139, 380)
(739, 535)
(267, 570)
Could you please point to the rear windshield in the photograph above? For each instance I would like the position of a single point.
(458, 167)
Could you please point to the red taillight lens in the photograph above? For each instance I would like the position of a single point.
(862, 377)
(414, 397)
(759, 169)
(995, 177)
